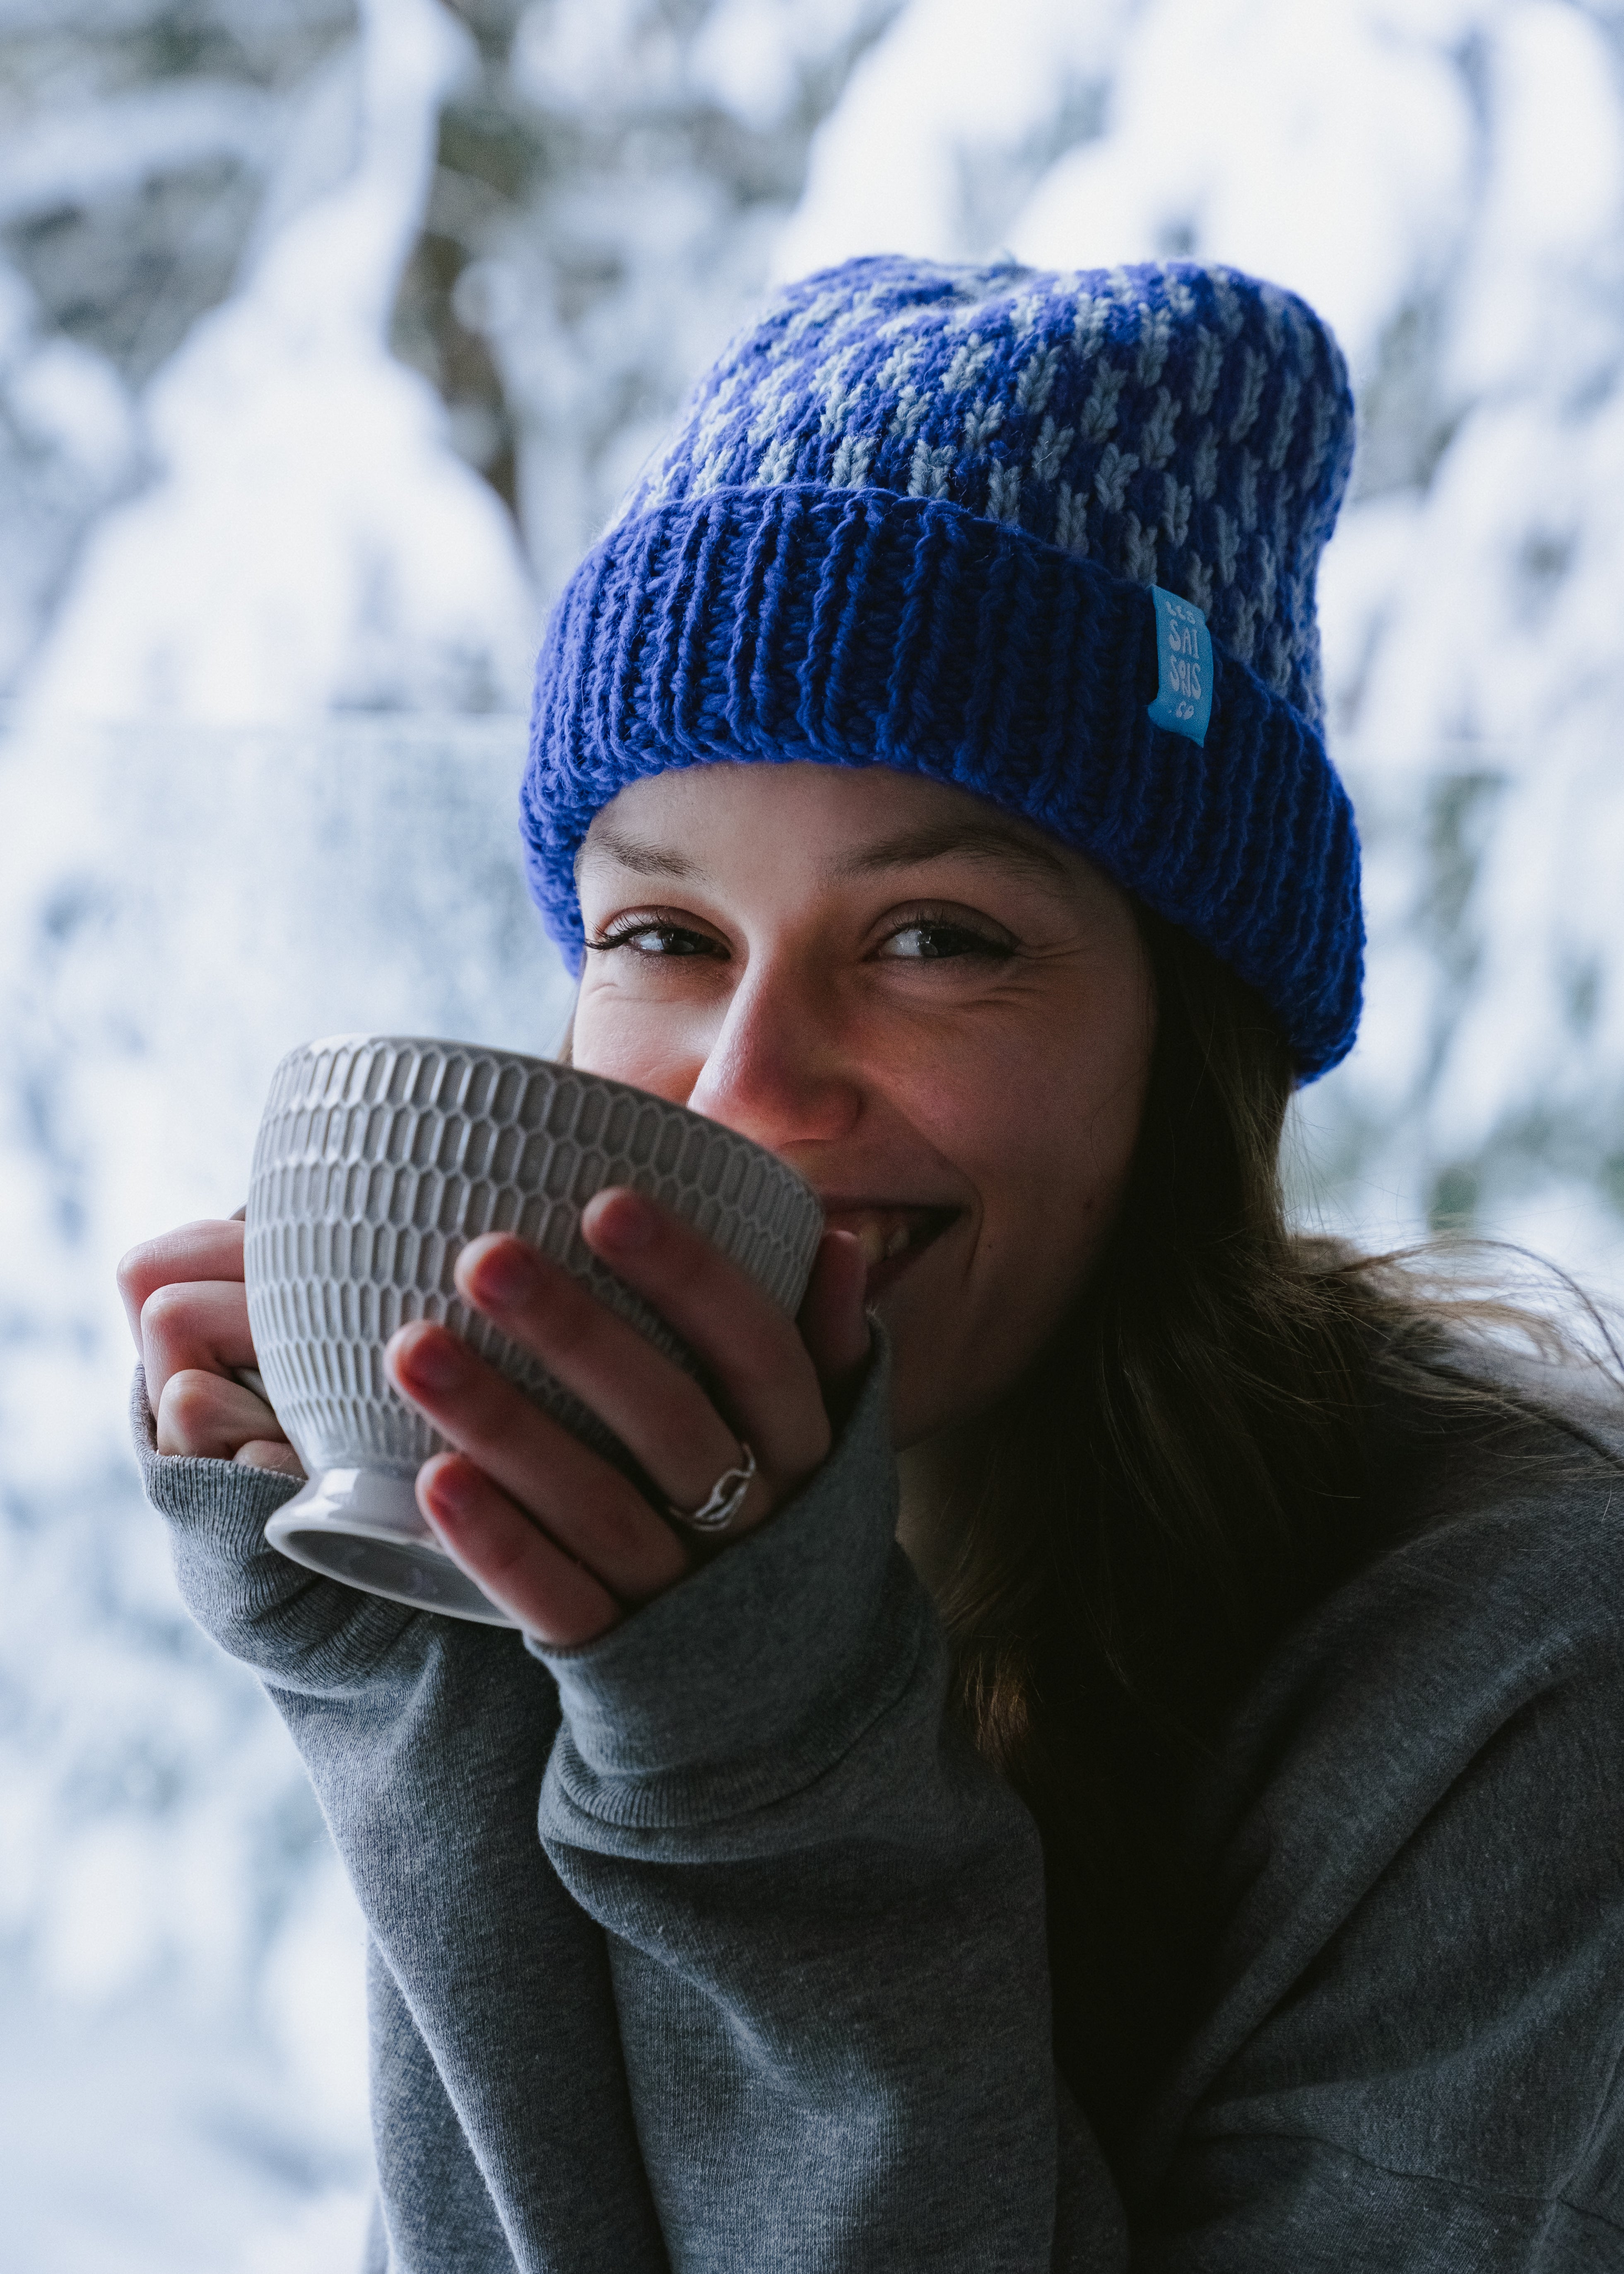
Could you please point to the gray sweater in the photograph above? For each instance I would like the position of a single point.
(770, 1992)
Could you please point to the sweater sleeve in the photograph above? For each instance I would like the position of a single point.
(501, 2122)
(825, 1914)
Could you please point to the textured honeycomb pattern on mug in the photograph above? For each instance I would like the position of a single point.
(377, 1161)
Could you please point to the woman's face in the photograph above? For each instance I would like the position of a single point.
(939, 1016)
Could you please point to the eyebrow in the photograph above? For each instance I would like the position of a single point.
(974, 840)
(633, 853)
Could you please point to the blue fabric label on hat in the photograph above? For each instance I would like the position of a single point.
(1184, 702)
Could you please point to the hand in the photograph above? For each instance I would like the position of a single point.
(188, 1311)
(554, 1534)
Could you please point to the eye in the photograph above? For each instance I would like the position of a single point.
(652, 936)
(935, 939)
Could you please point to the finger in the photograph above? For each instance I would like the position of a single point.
(750, 1347)
(593, 1512)
(659, 1413)
(187, 1326)
(269, 1453)
(519, 1566)
(208, 1249)
(833, 1324)
(210, 1416)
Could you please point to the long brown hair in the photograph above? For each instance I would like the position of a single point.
(1183, 1473)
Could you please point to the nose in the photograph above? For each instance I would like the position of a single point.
(779, 1069)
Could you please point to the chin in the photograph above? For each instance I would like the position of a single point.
(924, 1394)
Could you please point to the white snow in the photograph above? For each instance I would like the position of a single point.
(941, 90)
(312, 543)
(86, 151)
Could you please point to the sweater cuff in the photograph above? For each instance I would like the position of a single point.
(231, 1500)
(297, 1631)
(751, 1676)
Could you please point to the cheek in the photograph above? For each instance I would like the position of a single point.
(649, 1044)
(1046, 1136)
(1043, 1121)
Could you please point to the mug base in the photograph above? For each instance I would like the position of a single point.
(365, 1527)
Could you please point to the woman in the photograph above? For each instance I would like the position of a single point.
(1222, 1871)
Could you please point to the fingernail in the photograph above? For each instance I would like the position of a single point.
(507, 1275)
(431, 1360)
(622, 1220)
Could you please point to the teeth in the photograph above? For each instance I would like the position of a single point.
(872, 1241)
(880, 1239)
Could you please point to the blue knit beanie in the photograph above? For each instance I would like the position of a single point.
(913, 517)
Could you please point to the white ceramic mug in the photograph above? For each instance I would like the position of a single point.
(378, 1157)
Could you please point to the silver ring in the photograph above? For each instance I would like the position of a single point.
(724, 1500)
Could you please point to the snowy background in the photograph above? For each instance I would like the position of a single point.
(329, 333)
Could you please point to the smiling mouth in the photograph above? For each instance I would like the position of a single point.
(890, 1237)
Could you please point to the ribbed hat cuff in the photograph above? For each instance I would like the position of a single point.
(861, 628)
